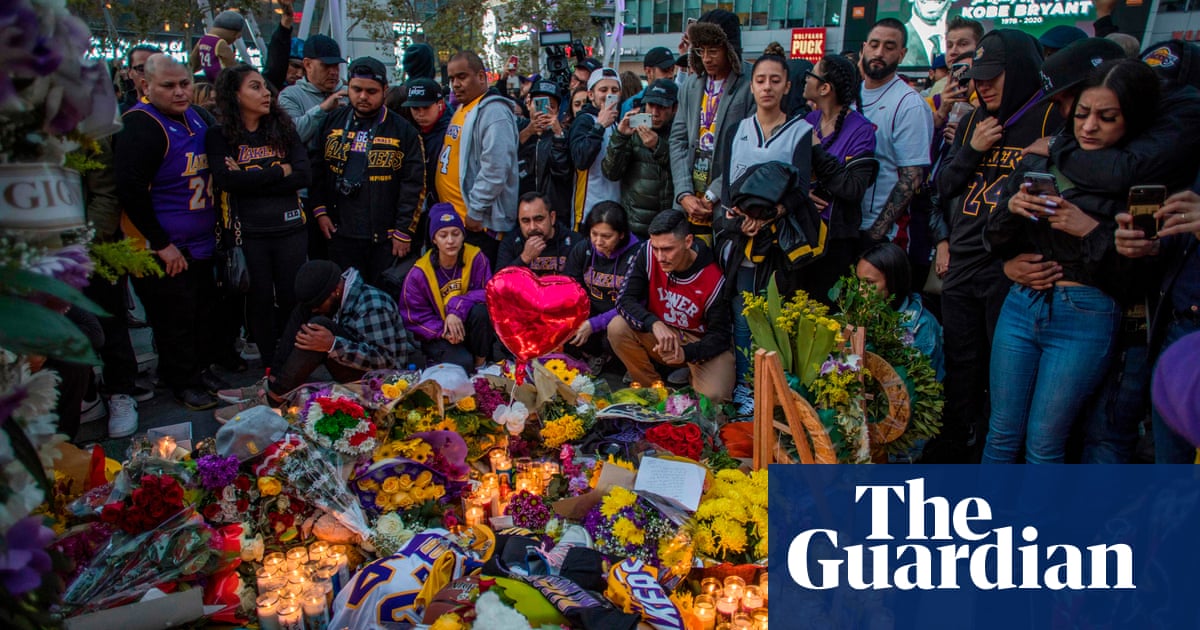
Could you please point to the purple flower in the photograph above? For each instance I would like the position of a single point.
(23, 559)
(216, 472)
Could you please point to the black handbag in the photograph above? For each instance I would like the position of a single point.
(233, 275)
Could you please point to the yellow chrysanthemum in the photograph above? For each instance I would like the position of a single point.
(466, 404)
(561, 430)
(730, 536)
(628, 533)
(616, 500)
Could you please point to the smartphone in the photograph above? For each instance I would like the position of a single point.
(958, 71)
(1144, 201)
(541, 104)
(1041, 184)
(640, 120)
(611, 100)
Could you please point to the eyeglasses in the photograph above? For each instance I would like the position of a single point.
(711, 51)
(810, 73)
(141, 67)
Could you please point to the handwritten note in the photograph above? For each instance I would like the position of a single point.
(679, 481)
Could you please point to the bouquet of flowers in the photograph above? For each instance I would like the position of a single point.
(157, 498)
(838, 393)
(684, 440)
(229, 502)
(421, 414)
(383, 388)
(436, 472)
(340, 424)
(628, 526)
(529, 511)
(309, 475)
(800, 330)
(562, 423)
(730, 525)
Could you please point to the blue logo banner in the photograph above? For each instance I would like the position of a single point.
(1005, 547)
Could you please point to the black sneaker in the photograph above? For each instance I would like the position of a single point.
(141, 394)
(195, 399)
(213, 382)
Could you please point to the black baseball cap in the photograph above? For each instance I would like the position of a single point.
(545, 88)
(1071, 65)
(990, 57)
(369, 68)
(1061, 36)
(663, 92)
(323, 48)
(590, 63)
(422, 93)
(659, 57)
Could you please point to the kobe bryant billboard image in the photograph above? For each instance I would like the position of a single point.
(925, 20)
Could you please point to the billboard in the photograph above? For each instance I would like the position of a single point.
(926, 20)
(808, 44)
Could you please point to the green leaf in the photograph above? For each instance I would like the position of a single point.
(19, 282)
(28, 328)
(775, 310)
(27, 454)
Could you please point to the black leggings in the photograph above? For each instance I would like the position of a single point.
(480, 337)
(274, 261)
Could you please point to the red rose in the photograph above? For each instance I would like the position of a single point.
(211, 511)
(242, 505)
(173, 493)
(112, 513)
(242, 483)
(141, 496)
(156, 511)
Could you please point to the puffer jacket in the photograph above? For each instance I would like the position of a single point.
(645, 176)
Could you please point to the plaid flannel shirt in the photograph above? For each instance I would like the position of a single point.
(380, 340)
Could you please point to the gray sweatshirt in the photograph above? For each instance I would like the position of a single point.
(302, 102)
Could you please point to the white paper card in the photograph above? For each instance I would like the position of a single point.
(679, 481)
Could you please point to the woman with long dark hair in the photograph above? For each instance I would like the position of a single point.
(1052, 347)
(833, 88)
(600, 265)
(259, 165)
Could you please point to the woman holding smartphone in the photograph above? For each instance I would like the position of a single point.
(1053, 344)
(260, 165)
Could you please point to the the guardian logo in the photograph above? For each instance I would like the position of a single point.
(949, 547)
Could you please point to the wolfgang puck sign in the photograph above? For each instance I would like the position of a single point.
(808, 44)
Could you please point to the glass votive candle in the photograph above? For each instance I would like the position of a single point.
(762, 584)
(734, 586)
(499, 460)
(288, 596)
(316, 613)
(727, 604)
(752, 598)
(475, 515)
(296, 556)
(342, 549)
(710, 586)
(327, 575)
(523, 483)
(704, 607)
(298, 578)
(338, 559)
(268, 617)
(317, 551)
(524, 464)
(742, 621)
(291, 618)
(267, 580)
(760, 618)
(550, 469)
(275, 562)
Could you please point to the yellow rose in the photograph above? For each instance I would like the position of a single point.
(466, 404)
(406, 483)
(269, 486)
(403, 500)
(391, 485)
(390, 391)
(424, 478)
(367, 484)
(437, 492)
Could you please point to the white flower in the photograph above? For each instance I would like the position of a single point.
(390, 525)
(583, 385)
(511, 417)
(252, 548)
(41, 391)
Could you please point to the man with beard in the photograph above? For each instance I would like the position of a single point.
(538, 243)
(925, 31)
(369, 181)
(903, 130)
(986, 149)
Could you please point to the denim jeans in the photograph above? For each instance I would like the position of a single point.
(1169, 446)
(1050, 354)
(742, 339)
(1110, 431)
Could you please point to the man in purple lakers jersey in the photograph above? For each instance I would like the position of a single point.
(215, 50)
(164, 187)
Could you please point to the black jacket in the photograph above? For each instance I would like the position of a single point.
(264, 200)
(553, 174)
(552, 260)
(645, 176)
(392, 193)
(278, 51)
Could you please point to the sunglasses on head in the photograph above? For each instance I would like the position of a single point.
(810, 73)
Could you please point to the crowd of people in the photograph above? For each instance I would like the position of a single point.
(993, 210)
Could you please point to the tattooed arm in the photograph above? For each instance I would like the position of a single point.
(897, 202)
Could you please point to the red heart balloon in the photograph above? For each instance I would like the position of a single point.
(533, 315)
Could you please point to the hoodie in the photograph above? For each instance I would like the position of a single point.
(433, 138)
(602, 276)
(302, 102)
(976, 180)
(419, 62)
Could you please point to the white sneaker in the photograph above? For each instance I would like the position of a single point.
(92, 410)
(250, 352)
(122, 416)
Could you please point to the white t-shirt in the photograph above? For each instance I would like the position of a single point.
(903, 136)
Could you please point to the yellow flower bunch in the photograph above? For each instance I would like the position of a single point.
(561, 430)
(415, 449)
(627, 533)
(731, 522)
(466, 404)
(611, 460)
(559, 369)
(394, 390)
(447, 424)
(616, 500)
(269, 486)
(404, 492)
(448, 621)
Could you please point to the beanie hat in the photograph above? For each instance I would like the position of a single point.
(315, 281)
(250, 432)
(716, 28)
(230, 20)
(418, 62)
(1176, 388)
(443, 215)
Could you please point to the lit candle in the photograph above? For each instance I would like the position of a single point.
(727, 604)
(524, 483)
(166, 447)
(296, 556)
(339, 560)
(762, 584)
(325, 577)
(288, 596)
(752, 598)
(710, 586)
(742, 621)
(290, 618)
(734, 586)
(475, 515)
(268, 581)
(705, 609)
(317, 551)
(499, 460)
(275, 562)
(549, 470)
(267, 617)
(316, 614)
(298, 578)
(760, 617)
